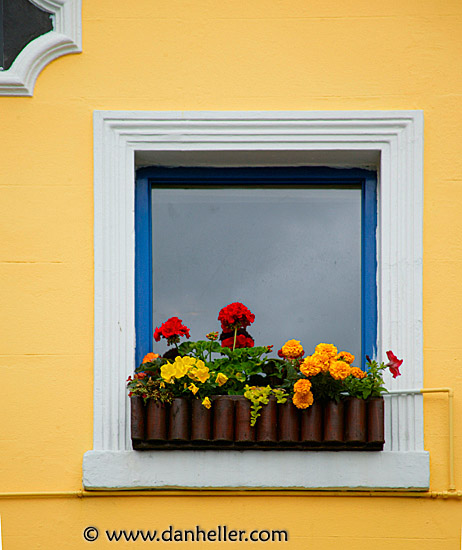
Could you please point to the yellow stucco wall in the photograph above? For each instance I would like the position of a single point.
(209, 55)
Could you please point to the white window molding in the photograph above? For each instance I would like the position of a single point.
(395, 138)
(65, 38)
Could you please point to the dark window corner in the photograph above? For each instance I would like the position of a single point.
(21, 21)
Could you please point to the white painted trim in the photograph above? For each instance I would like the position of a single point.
(397, 137)
(255, 470)
(65, 38)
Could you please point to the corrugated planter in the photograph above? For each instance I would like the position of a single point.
(333, 423)
(267, 433)
(244, 433)
(355, 421)
(312, 425)
(288, 423)
(179, 420)
(201, 422)
(375, 422)
(352, 424)
(137, 411)
(156, 414)
(223, 419)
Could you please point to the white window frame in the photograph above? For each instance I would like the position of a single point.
(395, 139)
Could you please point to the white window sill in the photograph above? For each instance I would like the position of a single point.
(256, 470)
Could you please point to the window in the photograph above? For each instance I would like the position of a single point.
(48, 29)
(297, 245)
(390, 141)
(20, 22)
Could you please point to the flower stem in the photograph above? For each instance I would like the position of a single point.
(235, 335)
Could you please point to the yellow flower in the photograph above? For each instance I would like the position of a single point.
(302, 386)
(327, 349)
(240, 376)
(203, 374)
(302, 400)
(167, 372)
(206, 402)
(309, 368)
(177, 369)
(340, 370)
(357, 372)
(292, 349)
(345, 356)
(221, 379)
(199, 373)
(182, 365)
(193, 388)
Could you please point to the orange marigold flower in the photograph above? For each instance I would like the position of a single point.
(321, 360)
(309, 367)
(292, 349)
(302, 400)
(302, 386)
(340, 370)
(327, 349)
(345, 356)
(358, 373)
(150, 357)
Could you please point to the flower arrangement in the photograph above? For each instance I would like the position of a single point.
(331, 375)
(231, 364)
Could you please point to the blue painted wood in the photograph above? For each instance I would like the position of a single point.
(369, 267)
(245, 177)
(143, 269)
(254, 176)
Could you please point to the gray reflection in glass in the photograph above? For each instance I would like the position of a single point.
(292, 255)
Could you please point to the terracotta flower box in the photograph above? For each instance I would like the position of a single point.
(352, 424)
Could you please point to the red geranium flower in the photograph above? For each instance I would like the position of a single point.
(171, 330)
(394, 364)
(235, 316)
(242, 341)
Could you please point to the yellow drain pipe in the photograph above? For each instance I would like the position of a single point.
(451, 493)
(450, 392)
(233, 493)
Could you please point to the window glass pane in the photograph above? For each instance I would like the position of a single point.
(291, 255)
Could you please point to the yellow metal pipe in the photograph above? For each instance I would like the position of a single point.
(43, 494)
(234, 493)
(450, 392)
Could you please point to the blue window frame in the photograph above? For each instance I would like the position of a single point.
(155, 177)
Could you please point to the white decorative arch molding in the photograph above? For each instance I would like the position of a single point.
(65, 38)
